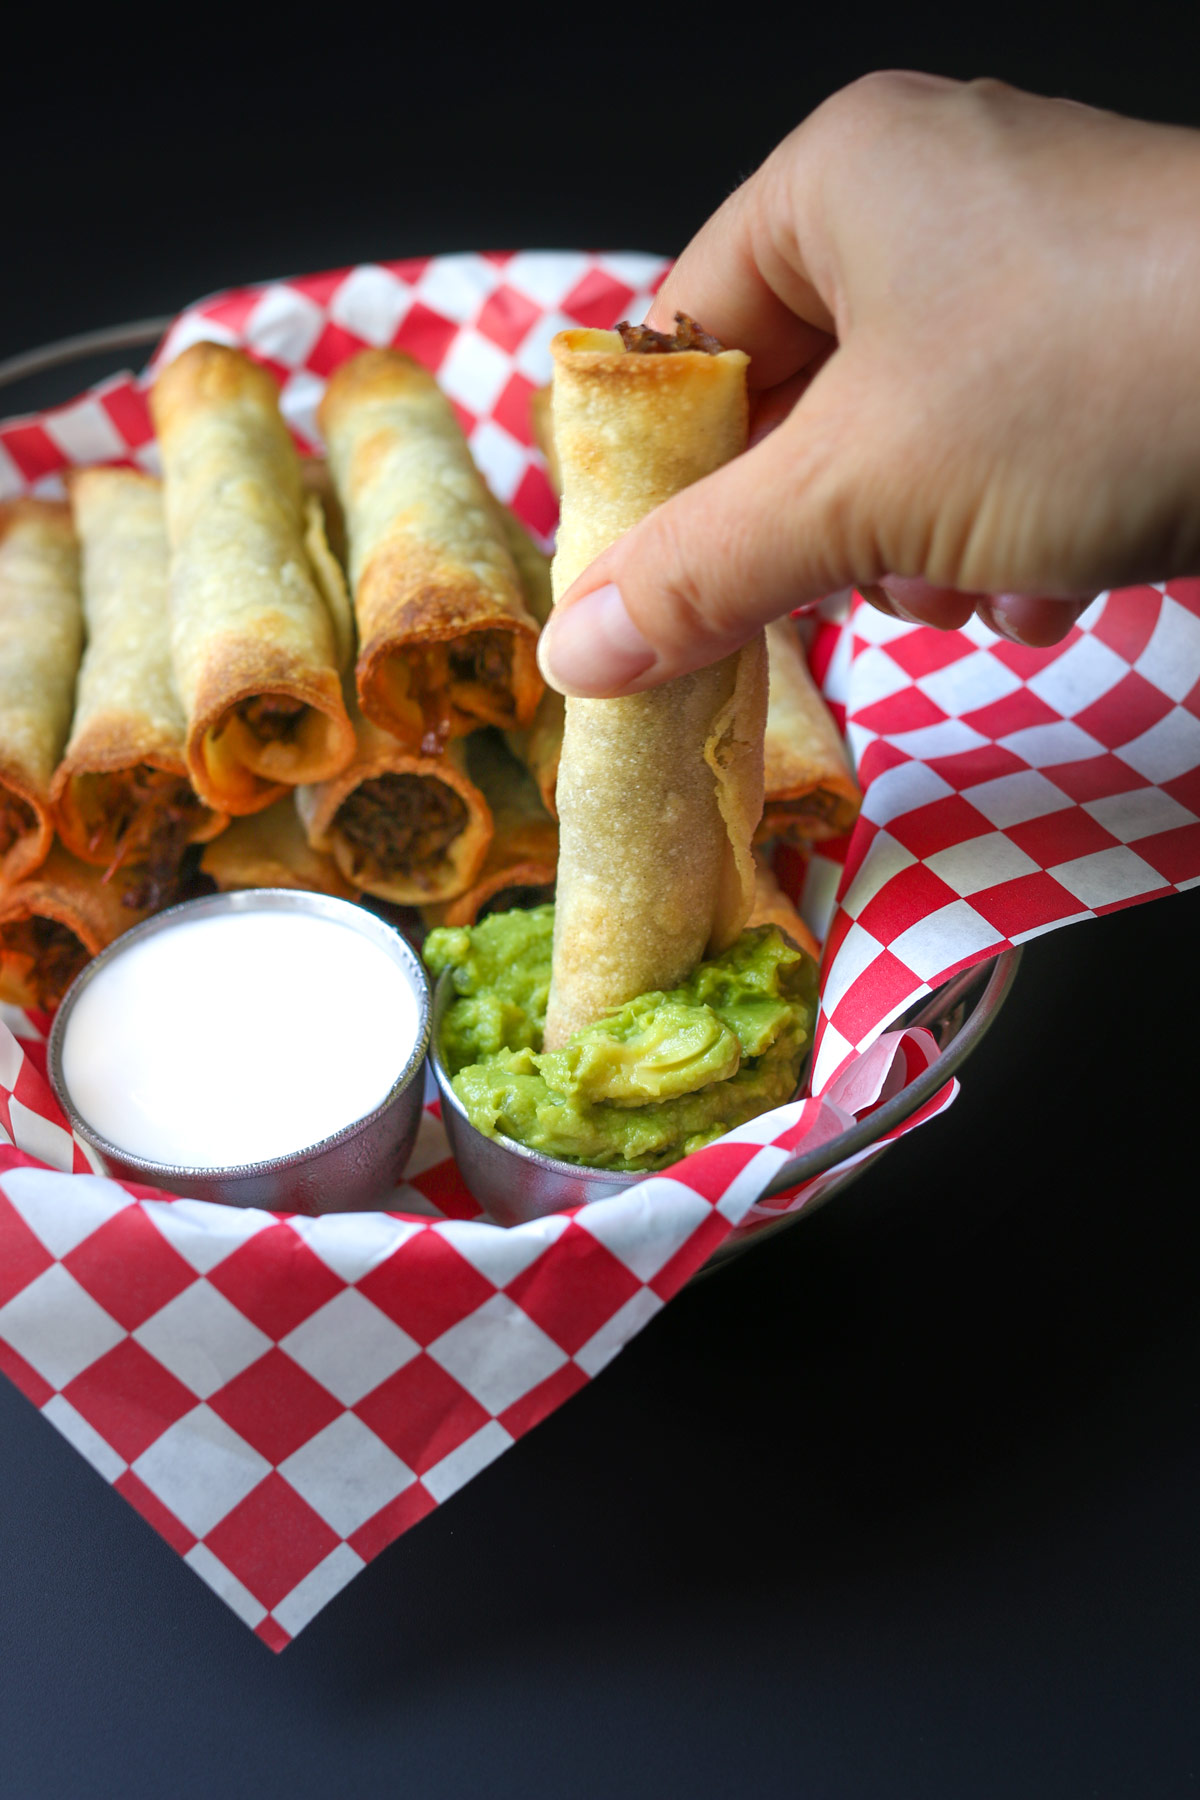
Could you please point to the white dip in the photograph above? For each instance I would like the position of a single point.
(238, 1038)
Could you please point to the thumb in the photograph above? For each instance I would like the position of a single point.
(698, 576)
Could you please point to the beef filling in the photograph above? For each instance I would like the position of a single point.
(149, 816)
(686, 336)
(402, 823)
(55, 956)
(273, 718)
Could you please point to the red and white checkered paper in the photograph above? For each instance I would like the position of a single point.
(281, 1397)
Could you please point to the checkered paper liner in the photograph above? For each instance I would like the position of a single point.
(282, 1397)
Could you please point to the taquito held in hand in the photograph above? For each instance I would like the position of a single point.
(122, 796)
(401, 826)
(658, 793)
(52, 923)
(254, 647)
(446, 642)
(522, 858)
(270, 849)
(809, 787)
(41, 641)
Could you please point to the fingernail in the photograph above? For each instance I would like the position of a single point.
(594, 647)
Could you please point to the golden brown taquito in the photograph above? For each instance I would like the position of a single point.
(401, 826)
(539, 745)
(809, 787)
(446, 642)
(55, 921)
(254, 648)
(121, 793)
(41, 641)
(270, 849)
(523, 854)
(658, 793)
(772, 907)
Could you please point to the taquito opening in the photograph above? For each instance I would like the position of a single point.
(269, 740)
(430, 693)
(141, 817)
(18, 821)
(39, 959)
(399, 829)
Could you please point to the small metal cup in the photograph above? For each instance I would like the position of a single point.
(351, 1171)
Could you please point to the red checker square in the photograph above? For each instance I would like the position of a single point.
(878, 757)
(1127, 620)
(1125, 712)
(1015, 712)
(971, 767)
(275, 1406)
(924, 652)
(129, 1267)
(512, 409)
(713, 1170)
(232, 309)
(541, 1401)
(319, 288)
(425, 334)
(1175, 854)
(334, 346)
(861, 839)
(127, 407)
(574, 1287)
(883, 985)
(825, 641)
(708, 1236)
(1186, 789)
(1025, 903)
(445, 1188)
(1187, 592)
(950, 820)
(23, 1375)
(155, 1513)
(908, 710)
(535, 503)
(835, 936)
(392, 1520)
(1024, 661)
(1061, 836)
(275, 1279)
(506, 316)
(426, 1286)
(421, 1413)
(129, 1397)
(1095, 777)
(911, 894)
(23, 1257)
(272, 1634)
(598, 300)
(272, 1540)
(409, 268)
(33, 450)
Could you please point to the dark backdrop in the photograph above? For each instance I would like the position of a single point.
(902, 1504)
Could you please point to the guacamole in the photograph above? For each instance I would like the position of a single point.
(662, 1076)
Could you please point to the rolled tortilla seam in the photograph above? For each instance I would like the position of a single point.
(270, 849)
(446, 643)
(52, 923)
(254, 648)
(658, 793)
(523, 853)
(121, 793)
(379, 796)
(810, 792)
(41, 641)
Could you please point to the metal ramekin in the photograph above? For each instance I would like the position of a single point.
(350, 1171)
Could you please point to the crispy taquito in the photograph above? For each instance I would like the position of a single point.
(809, 787)
(404, 827)
(446, 643)
(522, 857)
(658, 793)
(254, 645)
(773, 907)
(270, 849)
(122, 797)
(41, 640)
(52, 923)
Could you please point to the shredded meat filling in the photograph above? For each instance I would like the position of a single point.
(686, 336)
(147, 816)
(16, 818)
(55, 956)
(403, 823)
(273, 718)
(482, 659)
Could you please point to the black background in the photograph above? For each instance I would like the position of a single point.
(901, 1504)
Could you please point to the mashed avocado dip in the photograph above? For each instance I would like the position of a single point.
(663, 1076)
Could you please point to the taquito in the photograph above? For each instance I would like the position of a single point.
(809, 786)
(254, 647)
(539, 745)
(52, 923)
(446, 642)
(121, 793)
(658, 793)
(270, 849)
(41, 640)
(404, 827)
(523, 855)
(772, 907)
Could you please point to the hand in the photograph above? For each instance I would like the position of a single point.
(975, 378)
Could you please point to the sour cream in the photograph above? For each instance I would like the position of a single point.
(238, 1038)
